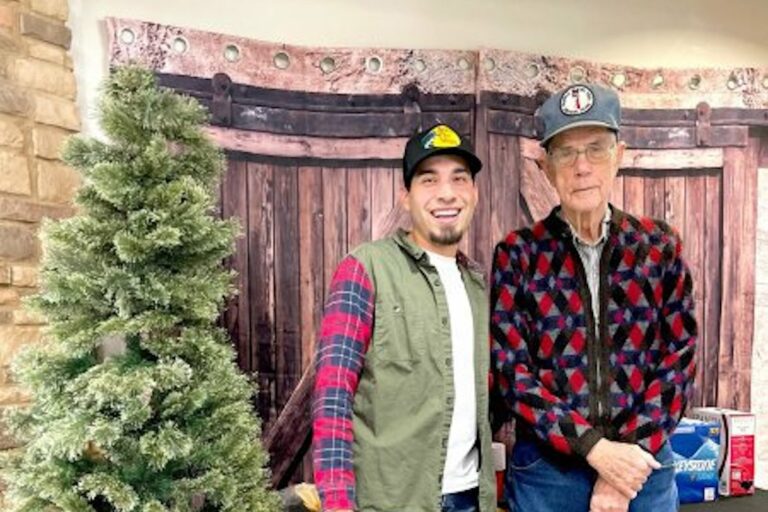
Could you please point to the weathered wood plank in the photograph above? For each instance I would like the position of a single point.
(335, 221)
(297, 88)
(692, 232)
(617, 192)
(634, 194)
(335, 124)
(506, 184)
(762, 156)
(740, 116)
(737, 312)
(636, 137)
(713, 218)
(674, 201)
(288, 437)
(654, 197)
(681, 137)
(671, 159)
(511, 123)
(237, 314)
(358, 207)
(482, 241)
(530, 148)
(398, 218)
(467, 242)
(649, 159)
(261, 288)
(539, 195)
(285, 146)
(746, 253)
(382, 197)
(658, 117)
(310, 258)
(638, 117)
(509, 102)
(658, 138)
(287, 331)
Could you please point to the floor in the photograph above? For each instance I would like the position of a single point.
(756, 503)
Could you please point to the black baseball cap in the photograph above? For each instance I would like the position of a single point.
(440, 139)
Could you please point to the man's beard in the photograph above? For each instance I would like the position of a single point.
(446, 236)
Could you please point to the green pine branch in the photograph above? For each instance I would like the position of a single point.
(166, 424)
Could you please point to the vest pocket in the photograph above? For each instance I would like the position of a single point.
(399, 335)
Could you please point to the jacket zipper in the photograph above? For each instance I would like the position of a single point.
(595, 334)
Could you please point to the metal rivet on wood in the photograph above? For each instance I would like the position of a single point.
(180, 45)
(232, 53)
(619, 79)
(281, 60)
(577, 74)
(373, 64)
(694, 83)
(532, 70)
(732, 82)
(657, 81)
(327, 65)
(127, 36)
(489, 63)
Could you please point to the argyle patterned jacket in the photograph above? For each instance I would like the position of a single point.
(567, 383)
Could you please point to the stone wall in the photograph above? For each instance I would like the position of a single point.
(37, 113)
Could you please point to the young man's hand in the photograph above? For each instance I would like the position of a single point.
(605, 498)
(624, 466)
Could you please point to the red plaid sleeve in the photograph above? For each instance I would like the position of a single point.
(345, 335)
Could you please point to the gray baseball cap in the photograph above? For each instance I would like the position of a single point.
(578, 105)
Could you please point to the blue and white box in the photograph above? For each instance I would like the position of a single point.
(696, 446)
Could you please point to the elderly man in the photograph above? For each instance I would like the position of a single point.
(593, 333)
(400, 415)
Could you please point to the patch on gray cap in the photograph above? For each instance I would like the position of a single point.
(576, 100)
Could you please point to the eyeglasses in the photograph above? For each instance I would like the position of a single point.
(566, 157)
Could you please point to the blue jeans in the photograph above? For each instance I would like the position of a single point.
(464, 501)
(536, 482)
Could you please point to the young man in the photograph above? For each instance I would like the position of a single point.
(400, 412)
(593, 329)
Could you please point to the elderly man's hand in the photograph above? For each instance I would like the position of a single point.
(624, 466)
(605, 498)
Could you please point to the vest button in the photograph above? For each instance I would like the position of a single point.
(436, 282)
(447, 361)
(445, 321)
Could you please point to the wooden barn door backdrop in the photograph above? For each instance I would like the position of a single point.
(314, 139)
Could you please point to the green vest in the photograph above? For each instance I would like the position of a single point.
(404, 400)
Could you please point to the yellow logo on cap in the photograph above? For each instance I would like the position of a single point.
(441, 137)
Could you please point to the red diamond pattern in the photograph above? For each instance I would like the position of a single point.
(635, 292)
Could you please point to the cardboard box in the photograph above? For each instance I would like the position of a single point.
(696, 448)
(736, 464)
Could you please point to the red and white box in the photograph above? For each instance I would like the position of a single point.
(736, 463)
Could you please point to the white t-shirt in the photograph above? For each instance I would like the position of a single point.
(461, 462)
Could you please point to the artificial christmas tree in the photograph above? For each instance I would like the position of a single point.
(164, 423)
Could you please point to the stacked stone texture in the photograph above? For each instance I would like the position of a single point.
(37, 112)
